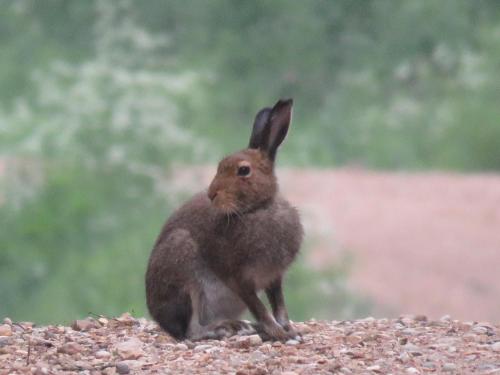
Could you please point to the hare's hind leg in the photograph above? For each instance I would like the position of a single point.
(174, 314)
(215, 312)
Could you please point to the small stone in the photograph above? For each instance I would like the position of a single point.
(373, 368)
(303, 328)
(8, 321)
(40, 371)
(409, 331)
(255, 340)
(122, 368)
(5, 330)
(202, 348)
(181, 346)
(445, 318)
(288, 373)
(368, 319)
(292, 342)
(131, 349)
(353, 339)
(83, 325)
(480, 330)
(412, 370)
(449, 367)
(496, 346)
(404, 357)
(411, 348)
(470, 337)
(257, 356)
(102, 354)
(247, 341)
(126, 319)
(70, 348)
(429, 365)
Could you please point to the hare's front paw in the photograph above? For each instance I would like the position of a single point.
(287, 326)
(274, 332)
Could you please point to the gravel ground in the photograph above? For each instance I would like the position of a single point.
(408, 345)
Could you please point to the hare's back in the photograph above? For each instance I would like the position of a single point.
(177, 247)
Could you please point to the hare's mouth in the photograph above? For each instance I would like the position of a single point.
(226, 207)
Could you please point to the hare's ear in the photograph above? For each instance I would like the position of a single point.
(270, 127)
(260, 131)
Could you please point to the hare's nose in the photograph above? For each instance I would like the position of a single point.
(212, 194)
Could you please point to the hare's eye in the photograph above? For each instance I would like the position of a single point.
(244, 170)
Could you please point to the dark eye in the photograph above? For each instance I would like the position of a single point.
(244, 170)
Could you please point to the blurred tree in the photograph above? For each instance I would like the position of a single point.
(99, 133)
(93, 94)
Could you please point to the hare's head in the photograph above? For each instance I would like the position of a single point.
(245, 180)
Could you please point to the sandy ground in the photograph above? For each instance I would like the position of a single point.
(424, 243)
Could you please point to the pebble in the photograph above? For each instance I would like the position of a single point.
(102, 354)
(7, 321)
(5, 330)
(131, 349)
(201, 348)
(448, 367)
(247, 341)
(351, 339)
(445, 318)
(412, 370)
(404, 357)
(480, 330)
(181, 346)
(373, 368)
(257, 356)
(83, 325)
(409, 331)
(40, 371)
(70, 348)
(412, 348)
(496, 346)
(255, 340)
(429, 365)
(292, 342)
(122, 368)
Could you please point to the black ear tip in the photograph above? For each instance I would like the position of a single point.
(284, 103)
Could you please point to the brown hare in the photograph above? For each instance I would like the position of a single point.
(222, 247)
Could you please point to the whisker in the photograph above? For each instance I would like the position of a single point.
(239, 215)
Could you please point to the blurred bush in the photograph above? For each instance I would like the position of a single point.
(98, 98)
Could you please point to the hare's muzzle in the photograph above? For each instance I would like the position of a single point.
(212, 195)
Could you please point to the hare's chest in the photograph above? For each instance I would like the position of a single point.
(268, 255)
(257, 247)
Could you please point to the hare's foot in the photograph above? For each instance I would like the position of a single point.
(235, 327)
(221, 330)
(274, 332)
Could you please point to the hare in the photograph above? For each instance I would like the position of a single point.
(223, 246)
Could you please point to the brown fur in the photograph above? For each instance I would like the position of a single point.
(224, 245)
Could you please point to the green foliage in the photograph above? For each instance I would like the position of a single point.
(99, 98)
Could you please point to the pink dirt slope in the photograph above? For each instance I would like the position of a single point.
(424, 243)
